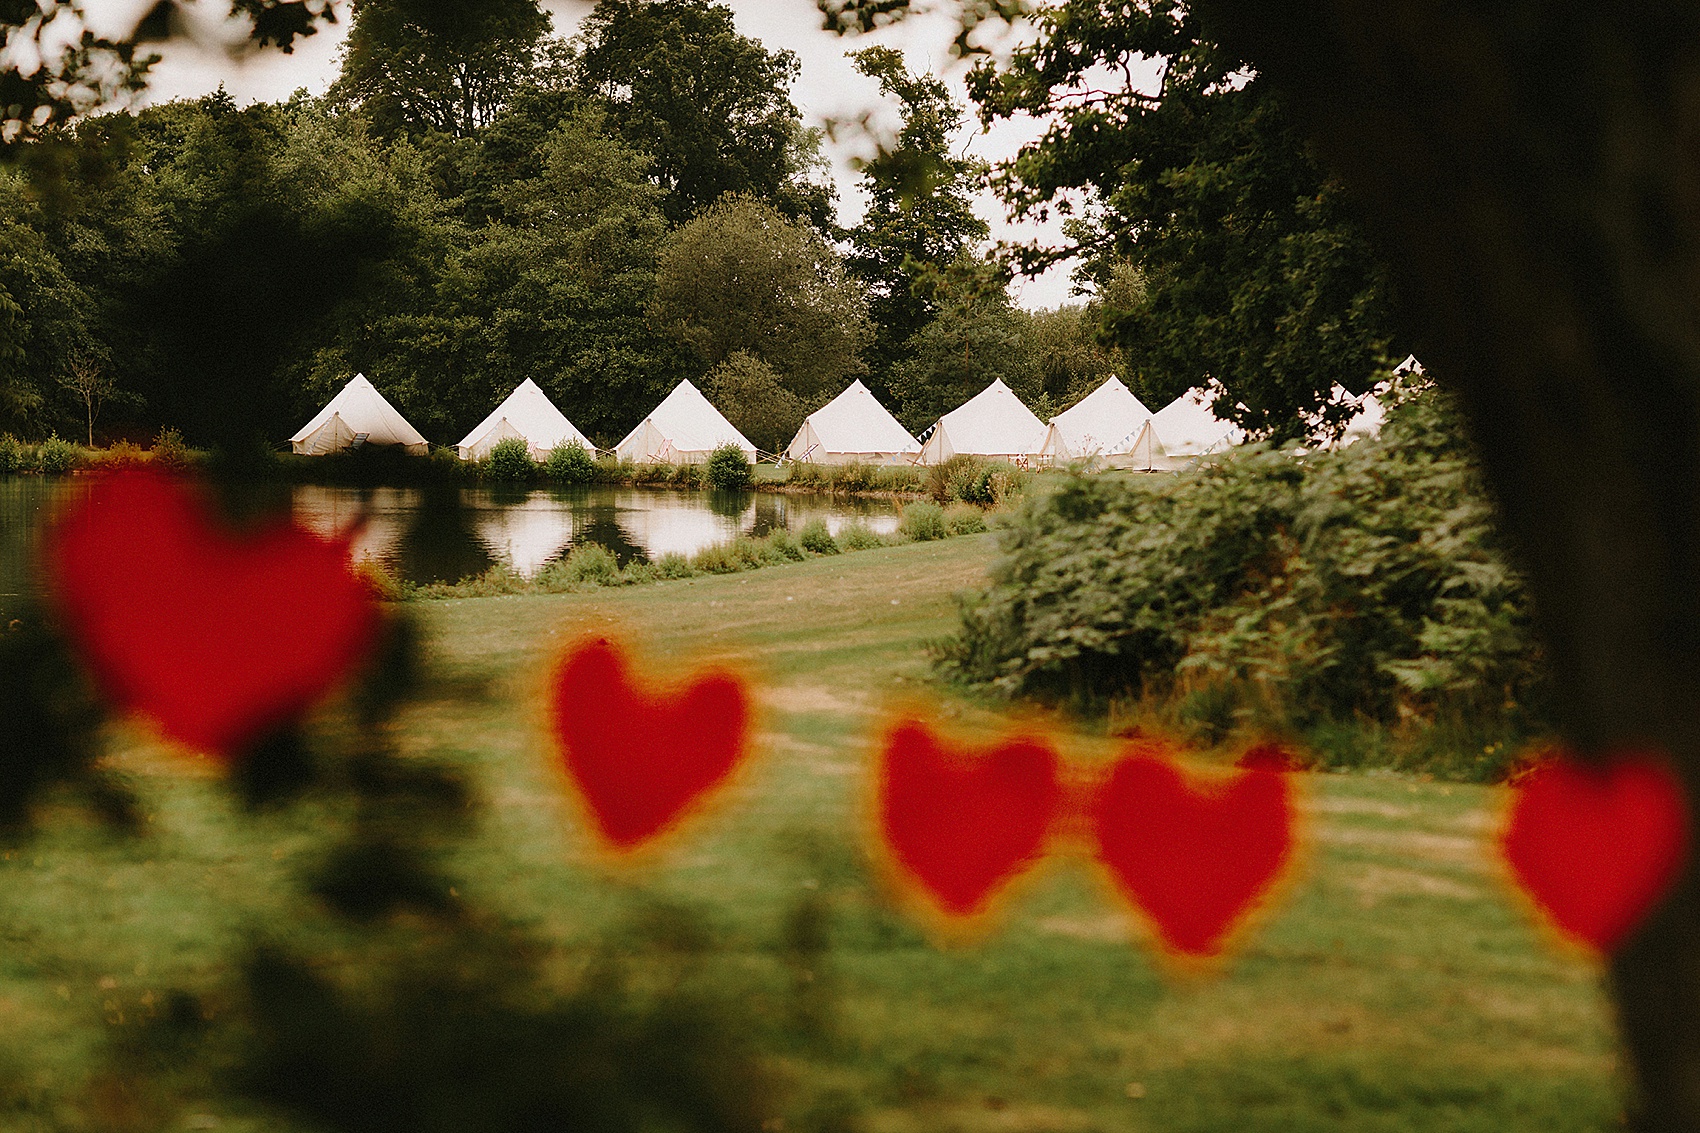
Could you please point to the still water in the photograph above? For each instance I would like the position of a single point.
(447, 534)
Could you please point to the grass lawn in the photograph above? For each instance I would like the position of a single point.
(1397, 987)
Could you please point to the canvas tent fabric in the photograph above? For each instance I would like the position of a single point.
(527, 414)
(994, 423)
(1107, 423)
(853, 428)
(683, 429)
(358, 411)
(1186, 428)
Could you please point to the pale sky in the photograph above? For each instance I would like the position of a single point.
(828, 88)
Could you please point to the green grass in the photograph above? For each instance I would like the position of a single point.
(1398, 987)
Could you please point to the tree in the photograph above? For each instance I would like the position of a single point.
(920, 216)
(743, 277)
(977, 337)
(1254, 276)
(556, 292)
(710, 106)
(419, 65)
(747, 391)
(87, 380)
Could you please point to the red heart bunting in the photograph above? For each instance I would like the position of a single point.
(219, 638)
(1597, 847)
(961, 826)
(640, 761)
(1195, 859)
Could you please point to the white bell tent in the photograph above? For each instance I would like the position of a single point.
(358, 414)
(1187, 428)
(994, 423)
(526, 415)
(683, 429)
(1107, 424)
(853, 428)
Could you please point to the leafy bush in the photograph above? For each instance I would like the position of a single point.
(57, 456)
(584, 563)
(921, 522)
(859, 536)
(722, 558)
(817, 538)
(899, 478)
(510, 461)
(11, 454)
(727, 468)
(964, 519)
(124, 454)
(169, 451)
(638, 572)
(570, 463)
(673, 565)
(1270, 589)
(786, 545)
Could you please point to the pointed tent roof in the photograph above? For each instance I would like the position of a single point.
(1187, 427)
(853, 424)
(994, 422)
(527, 414)
(684, 427)
(358, 410)
(1104, 422)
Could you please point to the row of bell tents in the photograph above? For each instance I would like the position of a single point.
(1109, 424)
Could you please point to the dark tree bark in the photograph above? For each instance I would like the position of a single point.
(1532, 170)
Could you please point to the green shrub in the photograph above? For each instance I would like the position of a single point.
(169, 451)
(964, 519)
(124, 454)
(1270, 590)
(921, 522)
(637, 572)
(510, 461)
(958, 480)
(673, 565)
(570, 463)
(853, 478)
(58, 456)
(807, 475)
(786, 546)
(817, 538)
(685, 475)
(727, 469)
(721, 558)
(11, 454)
(859, 536)
(584, 563)
(610, 469)
(899, 478)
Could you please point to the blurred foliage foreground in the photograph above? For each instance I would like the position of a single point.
(1360, 601)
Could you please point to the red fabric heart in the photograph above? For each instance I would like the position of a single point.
(640, 761)
(219, 638)
(1597, 847)
(960, 826)
(1194, 859)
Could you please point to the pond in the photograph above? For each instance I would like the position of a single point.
(444, 535)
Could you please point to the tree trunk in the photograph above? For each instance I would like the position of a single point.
(1533, 173)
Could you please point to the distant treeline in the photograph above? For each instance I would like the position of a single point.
(594, 221)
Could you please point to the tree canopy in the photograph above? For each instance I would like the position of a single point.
(710, 106)
(920, 217)
(1253, 275)
(417, 65)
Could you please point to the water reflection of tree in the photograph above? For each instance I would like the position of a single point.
(729, 505)
(439, 544)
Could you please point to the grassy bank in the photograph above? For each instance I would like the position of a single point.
(1398, 988)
